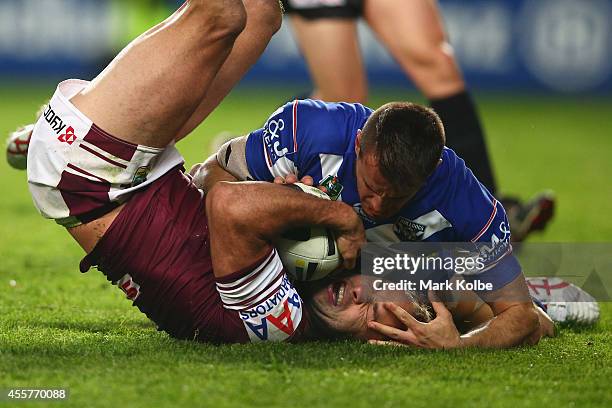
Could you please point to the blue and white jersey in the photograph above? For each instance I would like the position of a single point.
(315, 138)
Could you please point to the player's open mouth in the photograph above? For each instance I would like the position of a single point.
(336, 293)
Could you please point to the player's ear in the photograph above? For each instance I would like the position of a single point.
(358, 142)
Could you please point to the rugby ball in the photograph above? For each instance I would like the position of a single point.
(309, 253)
(17, 147)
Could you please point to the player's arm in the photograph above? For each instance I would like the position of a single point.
(468, 310)
(245, 217)
(230, 164)
(515, 319)
(259, 302)
(469, 316)
(206, 175)
(515, 322)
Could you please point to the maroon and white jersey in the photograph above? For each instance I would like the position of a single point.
(265, 300)
(77, 172)
(157, 251)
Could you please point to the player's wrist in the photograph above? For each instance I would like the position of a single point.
(345, 218)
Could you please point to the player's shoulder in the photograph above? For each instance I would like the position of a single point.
(472, 210)
(346, 108)
(319, 107)
(327, 127)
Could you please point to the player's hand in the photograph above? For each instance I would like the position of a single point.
(440, 333)
(349, 238)
(292, 178)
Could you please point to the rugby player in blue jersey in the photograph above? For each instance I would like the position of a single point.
(413, 32)
(392, 167)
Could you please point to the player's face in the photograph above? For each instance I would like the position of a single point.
(345, 307)
(379, 200)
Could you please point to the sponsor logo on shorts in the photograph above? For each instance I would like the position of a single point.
(129, 287)
(141, 175)
(68, 137)
(56, 123)
(275, 318)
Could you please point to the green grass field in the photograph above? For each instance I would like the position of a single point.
(60, 328)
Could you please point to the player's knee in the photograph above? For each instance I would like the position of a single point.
(427, 58)
(266, 15)
(434, 70)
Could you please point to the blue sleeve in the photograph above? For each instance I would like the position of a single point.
(271, 150)
(479, 218)
(298, 133)
(495, 249)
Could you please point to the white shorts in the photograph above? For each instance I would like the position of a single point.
(77, 172)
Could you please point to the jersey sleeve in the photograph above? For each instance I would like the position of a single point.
(264, 300)
(272, 150)
(297, 135)
(493, 245)
(481, 221)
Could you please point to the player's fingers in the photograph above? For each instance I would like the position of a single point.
(309, 181)
(402, 315)
(291, 178)
(279, 180)
(437, 304)
(403, 336)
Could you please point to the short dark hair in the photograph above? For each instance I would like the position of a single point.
(407, 140)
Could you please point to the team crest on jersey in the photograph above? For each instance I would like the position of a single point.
(141, 175)
(333, 186)
(275, 318)
(407, 230)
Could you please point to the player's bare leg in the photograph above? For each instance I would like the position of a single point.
(331, 49)
(413, 32)
(147, 94)
(264, 18)
(263, 21)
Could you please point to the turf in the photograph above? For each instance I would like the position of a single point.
(60, 328)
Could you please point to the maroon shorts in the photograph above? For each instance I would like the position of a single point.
(157, 251)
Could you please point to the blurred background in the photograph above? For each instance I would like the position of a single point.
(541, 71)
(536, 45)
